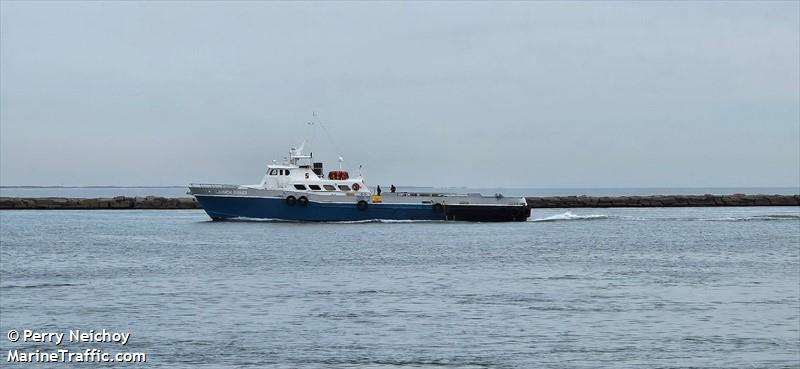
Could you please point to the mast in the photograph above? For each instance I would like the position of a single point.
(295, 154)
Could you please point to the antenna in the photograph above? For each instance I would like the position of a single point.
(328, 134)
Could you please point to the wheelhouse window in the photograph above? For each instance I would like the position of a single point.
(286, 172)
(314, 188)
(300, 187)
(329, 187)
(344, 187)
(273, 172)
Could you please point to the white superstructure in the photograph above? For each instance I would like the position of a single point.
(294, 176)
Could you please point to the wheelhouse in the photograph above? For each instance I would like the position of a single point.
(298, 173)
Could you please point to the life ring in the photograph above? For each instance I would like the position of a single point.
(356, 186)
(302, 201)
(291, 201)
(362, 205)
(437, 207)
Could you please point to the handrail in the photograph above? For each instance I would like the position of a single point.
(210, 185)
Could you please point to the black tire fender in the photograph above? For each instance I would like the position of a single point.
(362, 205)
(302, 201)
(437, 207)
(291, 201)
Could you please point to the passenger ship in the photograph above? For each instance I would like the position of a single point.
(299, 190)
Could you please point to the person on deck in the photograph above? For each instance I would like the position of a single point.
(392, 188)
(379, 190)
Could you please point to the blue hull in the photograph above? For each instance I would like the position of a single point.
(220, 208)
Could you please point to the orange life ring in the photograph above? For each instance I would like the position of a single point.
(356, 186)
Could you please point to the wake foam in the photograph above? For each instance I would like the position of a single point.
(569, 216)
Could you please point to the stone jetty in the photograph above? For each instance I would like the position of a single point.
(153, 202)
(119, 202)
(662, 201)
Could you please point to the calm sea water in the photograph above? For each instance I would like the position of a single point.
(176, 191)
(579, 288)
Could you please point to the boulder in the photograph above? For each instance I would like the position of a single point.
(187, 203)
(87, 203)
(7, 202)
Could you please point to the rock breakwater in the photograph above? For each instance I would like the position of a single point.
(663, 201)
(119, 202)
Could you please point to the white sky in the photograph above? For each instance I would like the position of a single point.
(518, 94)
